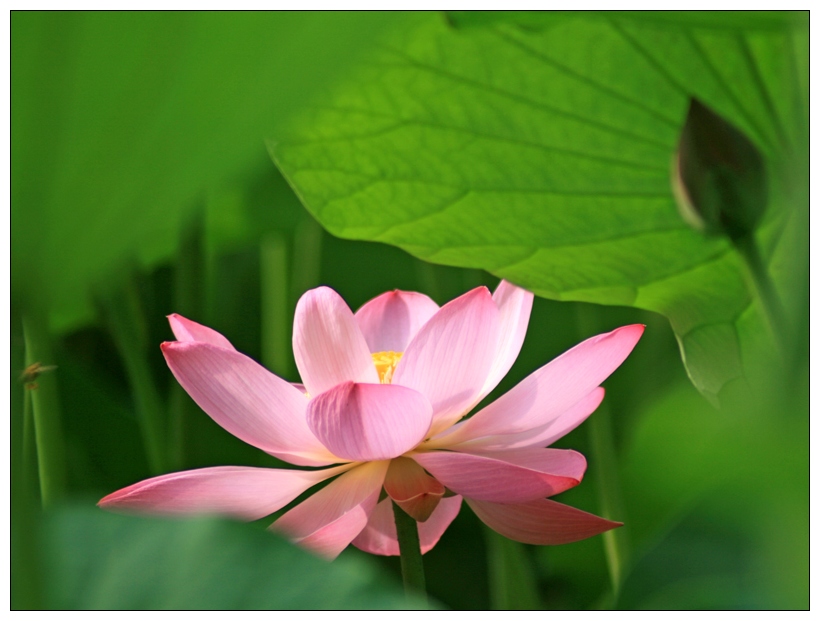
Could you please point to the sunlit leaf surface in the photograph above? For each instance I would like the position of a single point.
(543, 156)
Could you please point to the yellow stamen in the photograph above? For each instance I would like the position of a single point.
(386, 362)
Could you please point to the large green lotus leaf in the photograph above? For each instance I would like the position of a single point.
(733, 20)
(121, 122)
(543, 156)
(95, 560)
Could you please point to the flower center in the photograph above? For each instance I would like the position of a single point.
(386, 362)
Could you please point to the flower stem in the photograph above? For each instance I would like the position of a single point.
(605, 464)
(29, 444)
(306, 266)
(412, 568)
(276, 328)
(45, 413)
(776, 315)
(513, 584)
(616, 545)
(190, 275)
(126, 323)
(25, 556)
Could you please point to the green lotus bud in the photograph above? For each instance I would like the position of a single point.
(718, 175)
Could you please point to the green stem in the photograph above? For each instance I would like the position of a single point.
(307, 256)
(28, 437)
(179, 405)
(776, 315)
(604, 463)
(513, 585)
(616, 545)
(126, 322)
(428, 279)
(148, 405)
(412, 567)
(45, 413)
(273, 267)
(24, 557)
(190, 272)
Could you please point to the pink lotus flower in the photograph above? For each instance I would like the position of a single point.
(384, 391)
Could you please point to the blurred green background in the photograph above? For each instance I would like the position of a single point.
(142, 185)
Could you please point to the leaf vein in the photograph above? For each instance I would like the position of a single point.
(587, 80)
(529, 102)
(466, 130)
(764, 91)
(489, 189)
(717, 256)
(660, 69)
(579, 244)
(725, 87)
(349, 137)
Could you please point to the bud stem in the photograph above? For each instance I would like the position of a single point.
(749, 250)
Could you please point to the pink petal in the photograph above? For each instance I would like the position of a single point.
(330, 519)
(245, 493)
(379, 537)
(390, 321)
(506, 476)
(329, 541)
(450, 358)
(541, 522)
(565, 423)
(514, 305)
(367, 422)
(327, 343)
(415, 491)
(247, 400)
(540, 436)
(553, 389)
(188, 331)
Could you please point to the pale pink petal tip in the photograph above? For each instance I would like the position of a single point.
(514, 305)
(236, 491)
(390, 321)
(553, 389)
(247, 400)
(328, 344)
(186, 330)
